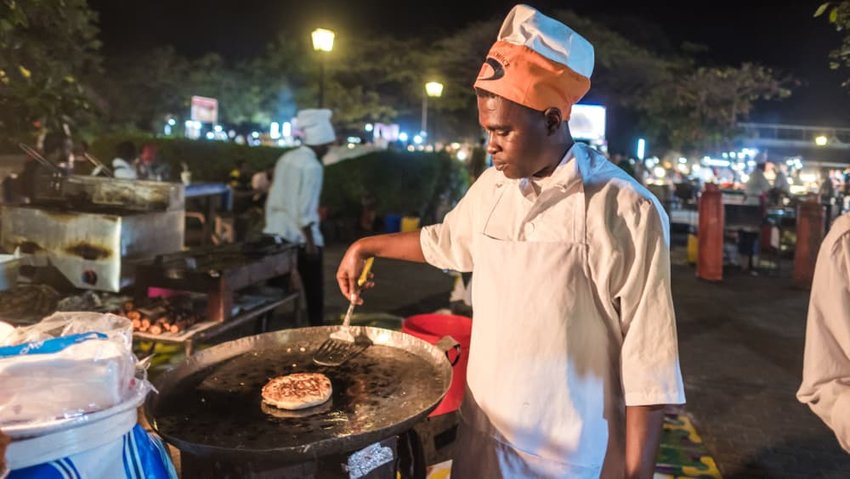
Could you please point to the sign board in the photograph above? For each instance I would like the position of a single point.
(204, 110)
(387, 132)
(587, 122)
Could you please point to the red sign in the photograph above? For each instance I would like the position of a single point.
(204, 109)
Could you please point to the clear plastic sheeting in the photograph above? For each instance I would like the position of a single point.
(67, 366)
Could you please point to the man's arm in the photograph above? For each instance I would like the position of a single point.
(643, 434)
(403, 246)
(446, 245)
(649, 361)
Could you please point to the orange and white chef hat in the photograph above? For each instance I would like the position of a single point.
(537, 62)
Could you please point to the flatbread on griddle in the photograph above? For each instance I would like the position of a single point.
(297, 391)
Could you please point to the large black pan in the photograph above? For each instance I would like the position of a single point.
(210, 405)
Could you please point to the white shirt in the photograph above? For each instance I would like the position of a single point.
(293, 200)
(757, 184)
(629, 256)
(123, 170)
(826, 364)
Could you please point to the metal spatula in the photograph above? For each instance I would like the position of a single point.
(342, 345)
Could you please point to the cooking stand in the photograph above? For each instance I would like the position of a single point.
(220, 272)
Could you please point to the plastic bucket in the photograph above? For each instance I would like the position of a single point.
(432, 328)
(392, 223)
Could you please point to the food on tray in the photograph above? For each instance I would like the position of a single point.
(297, 391)
(162, 315)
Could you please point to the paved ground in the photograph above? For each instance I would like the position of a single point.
(403, 288)
(741, 347)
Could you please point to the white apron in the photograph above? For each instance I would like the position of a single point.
(543, 396)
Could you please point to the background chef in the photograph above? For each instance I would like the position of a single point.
(292, 206)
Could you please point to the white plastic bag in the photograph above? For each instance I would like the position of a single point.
(69, 364)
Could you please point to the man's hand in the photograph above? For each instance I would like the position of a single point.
(403, 246)
(643, 433)
(349, 271)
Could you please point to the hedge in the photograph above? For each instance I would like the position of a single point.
(399, 181)
(209, 161)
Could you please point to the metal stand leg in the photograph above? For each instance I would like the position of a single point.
(411, 456)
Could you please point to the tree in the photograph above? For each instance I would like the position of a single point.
(367, 79)
(839, 17)
(141, 89)
(47, 50)
(700, 109)
(680, 104)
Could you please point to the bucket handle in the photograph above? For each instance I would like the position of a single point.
(446, 345)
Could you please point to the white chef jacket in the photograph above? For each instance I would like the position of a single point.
(628, 263)
(293, 200)
(826, 364)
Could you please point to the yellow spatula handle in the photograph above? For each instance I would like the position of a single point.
(364, 275)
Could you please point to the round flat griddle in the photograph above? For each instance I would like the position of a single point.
(211, 403)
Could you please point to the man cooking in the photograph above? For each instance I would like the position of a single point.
(292, 206)
(574, 351)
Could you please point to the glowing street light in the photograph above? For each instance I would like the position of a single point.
(433, 89)
(821, 140)
(323, 41)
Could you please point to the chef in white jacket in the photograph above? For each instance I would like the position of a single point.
(573, 352)
(292, 206)
(826, 363)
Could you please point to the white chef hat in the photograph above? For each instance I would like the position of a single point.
(315, 125)
(537, 62)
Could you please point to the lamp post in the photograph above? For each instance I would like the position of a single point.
(433, 89)
(323, 42)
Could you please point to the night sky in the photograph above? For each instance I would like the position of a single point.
(783, 36)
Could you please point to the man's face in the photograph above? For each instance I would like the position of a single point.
(517, 136)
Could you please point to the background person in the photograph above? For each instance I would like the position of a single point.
(122, 166)
(240, 176)
(292, 206)
(757, 185)
(149, 165)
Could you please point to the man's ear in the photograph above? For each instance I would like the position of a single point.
(553, 119)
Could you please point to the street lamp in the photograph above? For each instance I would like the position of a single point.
(433, 89)
(821, 140)
(323, 41)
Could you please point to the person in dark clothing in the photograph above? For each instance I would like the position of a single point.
(240, 176)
